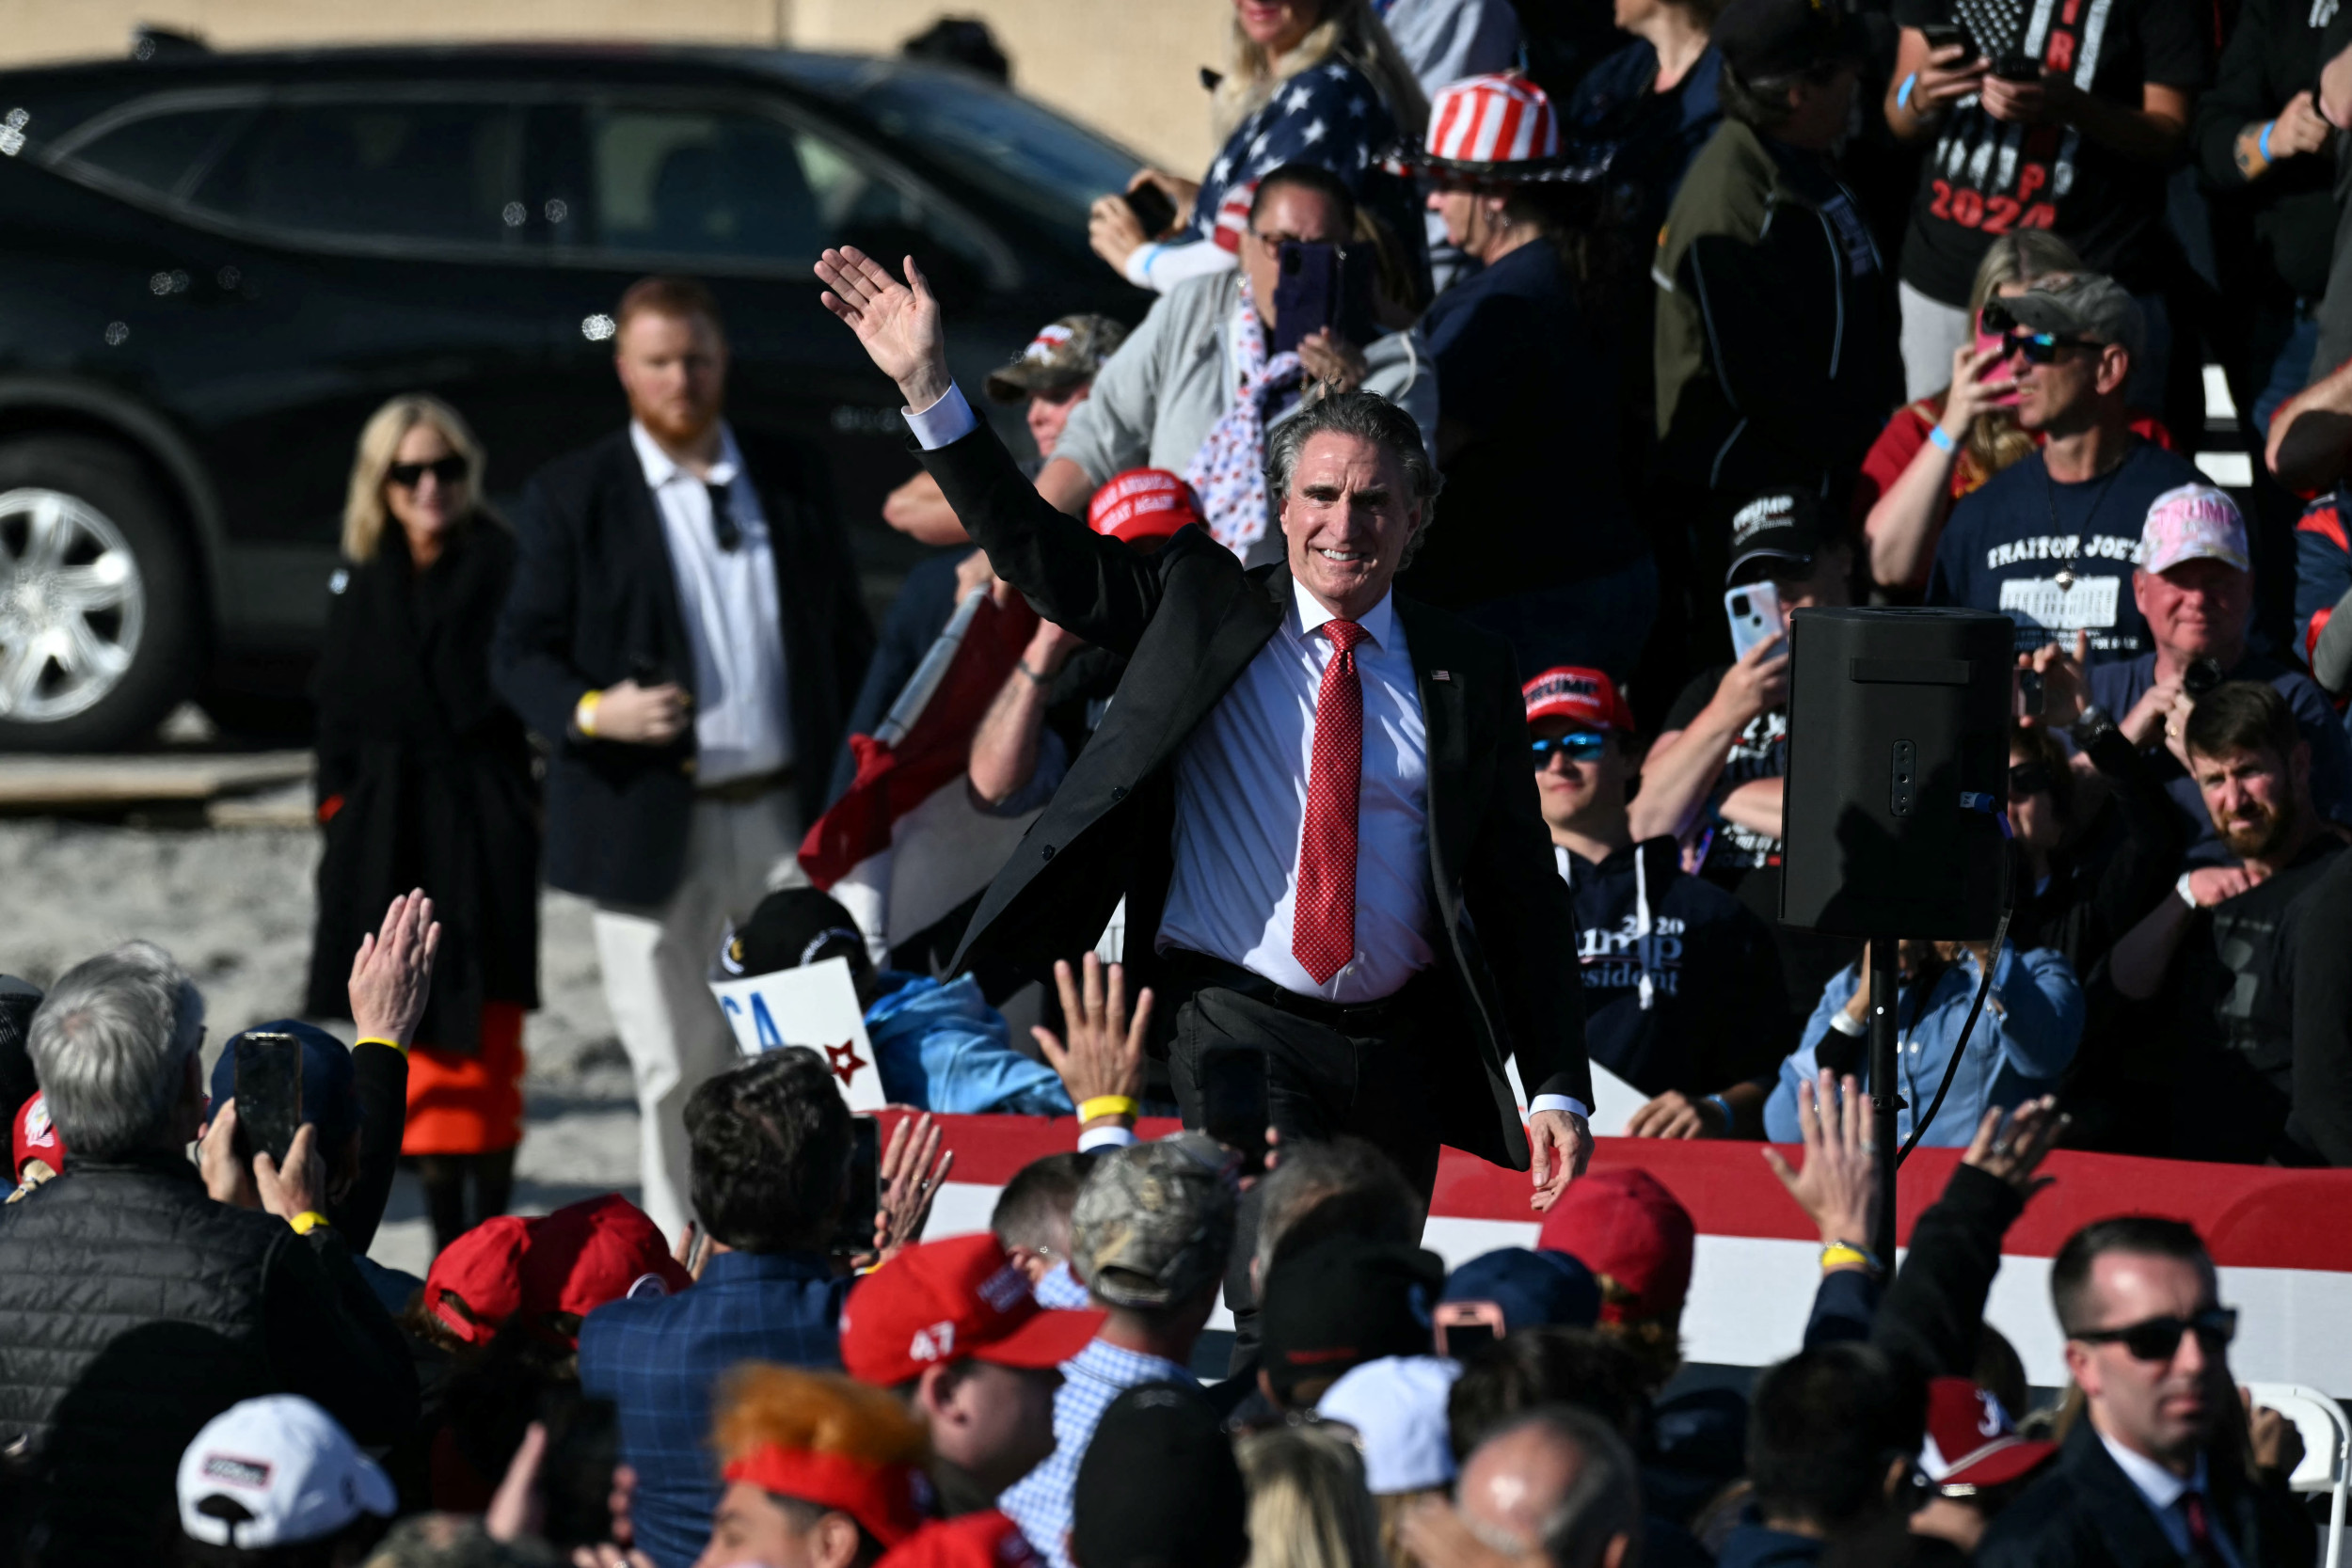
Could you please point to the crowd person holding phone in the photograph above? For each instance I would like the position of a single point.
(1314, 82)
(1213, 369)
(1683, 997)
(1712, 777)
(1945, 445)
(1775, 335)
(2194, 586)
(686, 638)
(2074, 140)
(1282, 787)
(1544, 550)
(2050, 541)
(426, 781)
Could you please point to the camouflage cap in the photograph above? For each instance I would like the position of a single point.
(1154, 1223)
(1062, 354)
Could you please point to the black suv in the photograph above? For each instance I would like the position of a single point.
(212, 268)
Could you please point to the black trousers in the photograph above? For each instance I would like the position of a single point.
(1330, 1070)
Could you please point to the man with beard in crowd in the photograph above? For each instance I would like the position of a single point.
(2218, 959)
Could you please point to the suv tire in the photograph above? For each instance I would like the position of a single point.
(101, 616)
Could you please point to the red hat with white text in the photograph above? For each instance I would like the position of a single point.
(1586, 697)
(1143, 505)
(946, 1301)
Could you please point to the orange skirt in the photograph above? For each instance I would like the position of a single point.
(469, 1104)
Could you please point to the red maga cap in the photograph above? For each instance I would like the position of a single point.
(1625, 1227)
(573, 1260)
(946, 1301)
(1143, 505)
(1585, 697)
(34, 1136)
(1971, 1442)
(887, 1499)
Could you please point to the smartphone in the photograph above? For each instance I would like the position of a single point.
(2015, 65)
(1755, 616)
(1154, 211)
(1942, 35)
(1233, 1101)
(1306, 292)
(2029, 694)
(1988, 343)
(576, 1473)
(855, 1233)
(269, 1094)
(1465, 1327)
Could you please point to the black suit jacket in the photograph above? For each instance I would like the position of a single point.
(596, 602)
(1189, 620)
(2084, 1512)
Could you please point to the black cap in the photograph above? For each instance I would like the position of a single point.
(1344, 1302)
(1158, 1486)
(1780, 529)
(791, 927)
(1765, 41)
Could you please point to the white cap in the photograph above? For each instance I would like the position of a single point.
(284, 1462)
(1397, 1406)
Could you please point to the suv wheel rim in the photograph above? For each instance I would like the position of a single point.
(71, 606)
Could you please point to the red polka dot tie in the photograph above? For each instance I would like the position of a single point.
(1323, 927)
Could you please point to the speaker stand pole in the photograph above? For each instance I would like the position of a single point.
(1885, 1100)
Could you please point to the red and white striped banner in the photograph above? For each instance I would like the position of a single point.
(2280, 1236)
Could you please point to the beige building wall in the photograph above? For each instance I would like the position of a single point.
(1129, 68)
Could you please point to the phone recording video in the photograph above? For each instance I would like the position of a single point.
(268, 1094)
(2029, 694)
(1463, 1328)
(1755, 616)
(1154, 211)
(854, 1233)
(1233, 1101)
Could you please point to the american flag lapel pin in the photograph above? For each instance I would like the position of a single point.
(1440, 674)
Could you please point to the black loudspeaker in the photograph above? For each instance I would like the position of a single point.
(1898, 772)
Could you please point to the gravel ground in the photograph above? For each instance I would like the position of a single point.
(234, 906)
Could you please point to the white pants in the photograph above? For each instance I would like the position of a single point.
(1931, 331)
(657, 963)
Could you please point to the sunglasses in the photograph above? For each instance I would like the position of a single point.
(2027, 779)
(449, 470)
(1576, 746)
(2159, 1338)
(2042, 348)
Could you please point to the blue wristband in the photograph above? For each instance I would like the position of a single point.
(1942, 438)
(1902, 94)
(2265, 142)
(1724, 1106)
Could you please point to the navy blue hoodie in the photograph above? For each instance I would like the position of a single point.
(1682, 985)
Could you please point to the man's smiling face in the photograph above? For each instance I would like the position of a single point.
(1348, 516)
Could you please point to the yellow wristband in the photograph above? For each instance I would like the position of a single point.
(1109, 1105)
(1839, 1253)
(378, 1040)
(584, 713)
(306, 1222)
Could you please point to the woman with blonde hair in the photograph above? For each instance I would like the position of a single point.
(425, 781)
(1306, 82)
(1309, 1507)
(1942, 447)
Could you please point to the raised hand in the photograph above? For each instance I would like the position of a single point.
(899, 323)
(913, 1168)
(1838, 1188)
(1105, 1055)
(392, 975)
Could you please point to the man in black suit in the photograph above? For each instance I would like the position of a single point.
(684, 633)
(1314, 795)
(2155, 1473)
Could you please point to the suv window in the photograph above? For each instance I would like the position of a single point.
(724, 184)
(158, 151)
(378, 170)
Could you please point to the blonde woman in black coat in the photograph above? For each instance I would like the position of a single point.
(425, 779)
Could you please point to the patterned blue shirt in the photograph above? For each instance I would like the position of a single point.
(657, 1358)
(1328, 115)
(1040, 1502)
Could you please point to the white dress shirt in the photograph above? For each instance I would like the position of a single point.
(733, 623)
(1241, 800)
(2162, 1490)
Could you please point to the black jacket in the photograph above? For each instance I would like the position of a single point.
(133, 1309)
(1189, 620)
(596, 603)
(2084, 1512)
(424, 779)
(2274, 236)
(2120, 865)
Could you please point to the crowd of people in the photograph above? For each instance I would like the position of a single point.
(1363, 716)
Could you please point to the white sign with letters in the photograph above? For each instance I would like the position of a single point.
(815, 1006)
